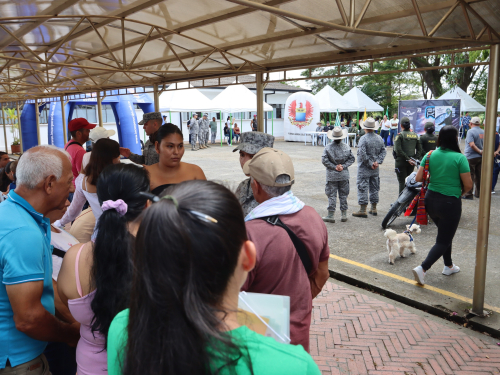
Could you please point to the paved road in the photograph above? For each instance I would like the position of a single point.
(353, 332)
(361, 241)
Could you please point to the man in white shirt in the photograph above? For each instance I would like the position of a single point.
(386, 128)
(394, 128)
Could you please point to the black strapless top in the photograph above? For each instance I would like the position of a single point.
(159, 189)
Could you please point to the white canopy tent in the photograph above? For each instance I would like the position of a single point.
(361, 101)
(331, 101)
(235, 99)
(189, 100)
(468, 104)
(498, 105)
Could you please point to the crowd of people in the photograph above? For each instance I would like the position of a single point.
(153, 286)
(147, 278)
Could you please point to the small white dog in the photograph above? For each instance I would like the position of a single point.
(398, 243)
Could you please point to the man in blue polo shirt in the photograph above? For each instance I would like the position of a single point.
(27, 321)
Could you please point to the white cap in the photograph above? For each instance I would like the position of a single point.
(100, 133)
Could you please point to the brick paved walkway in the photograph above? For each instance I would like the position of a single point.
(353, 333)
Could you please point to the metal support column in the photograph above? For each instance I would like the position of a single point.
(260, 103)
(37, 117)
(156, 98)
(99, 108)
(483, 222)
(63, 113)
(19, 125)
(4, 131)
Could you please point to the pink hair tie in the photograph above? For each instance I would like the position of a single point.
(119, 205)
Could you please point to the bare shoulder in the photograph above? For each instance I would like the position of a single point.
(194, 171)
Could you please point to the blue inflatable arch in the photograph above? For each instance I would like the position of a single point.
(123, 109)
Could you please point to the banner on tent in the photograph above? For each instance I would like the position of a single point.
(302, 114)
(441, 112)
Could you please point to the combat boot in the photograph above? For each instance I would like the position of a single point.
(344, 216)
(329, 218)
(193, 148)
(361, 212)
(373, 210)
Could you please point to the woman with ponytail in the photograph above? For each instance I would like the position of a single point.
(191, 257)
(95, 278)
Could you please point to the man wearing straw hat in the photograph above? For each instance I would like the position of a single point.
(337, 158)
(371, 154)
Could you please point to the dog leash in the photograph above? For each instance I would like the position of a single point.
(408, 232)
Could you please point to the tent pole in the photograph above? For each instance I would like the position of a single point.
(483, 222)
(272, 123)
(99, 108)
(170, 116)
(231, 129)
(37, 117)
(220, 126)
(19, 124)
(260, 101)
(63, 114)
(156, 98)
(4, 131)
(330, 117)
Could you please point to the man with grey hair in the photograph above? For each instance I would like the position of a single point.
(204, 131)
(151, 123)
(251, 143)
(27, 321)
(290, 238)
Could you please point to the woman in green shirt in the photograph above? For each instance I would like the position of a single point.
(449, 179)
(183, 312)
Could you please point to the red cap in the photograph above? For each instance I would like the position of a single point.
(254, 115)
(80, 123)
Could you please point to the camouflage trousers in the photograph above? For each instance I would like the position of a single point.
(194, 138)
(331, 190)
(366, 184)
(204, 137)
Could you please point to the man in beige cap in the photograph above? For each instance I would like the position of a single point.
(371, 154)
(152, 122)
(474, 154)
(290, 238)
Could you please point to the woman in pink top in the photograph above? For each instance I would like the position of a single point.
(95, 278)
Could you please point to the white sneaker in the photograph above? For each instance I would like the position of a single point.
(449, 271)
(493, 192)
(419, 274)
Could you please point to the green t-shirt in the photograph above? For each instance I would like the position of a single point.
(213, 126)
(267, 356)
(445, 167)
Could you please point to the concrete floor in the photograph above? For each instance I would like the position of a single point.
(362, 241)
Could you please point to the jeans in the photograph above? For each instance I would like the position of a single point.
(237, 136)
(445, 212)
(384, 134)
(496, 170)
(214, 134)
(394, 133)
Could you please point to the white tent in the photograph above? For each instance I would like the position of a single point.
(468, 104)
(330, 101)
(189, 100)
(498, 105)
(235, 99)
(361, 101)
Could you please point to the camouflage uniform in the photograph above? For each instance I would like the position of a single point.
(353, 130)
(251, 143)
(370, 149)
(361, 132)
(204, 131)
(194, 128)
(149, 155)
(406, 146)
(334, 154)
(319, 139)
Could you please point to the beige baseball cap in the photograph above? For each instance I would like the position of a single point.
(268, 164)
(475, 121)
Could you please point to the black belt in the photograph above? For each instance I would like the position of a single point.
(58, 252)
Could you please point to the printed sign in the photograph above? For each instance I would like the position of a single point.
(302, 114)
(441, 112)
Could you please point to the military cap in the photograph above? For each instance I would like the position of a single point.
(253, 142)
(428, 125)
(141, 122)
(151, 116)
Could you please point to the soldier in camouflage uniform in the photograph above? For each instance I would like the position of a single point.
(371, 154)
(194, 129)
(353, 130)
(204, 131)
(429, 139)
(151, 123)
(251, 143)
(406, 146)
(337, 157)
